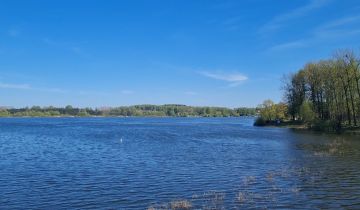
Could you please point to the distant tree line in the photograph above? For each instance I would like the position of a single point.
(326, 93)
(171, 110)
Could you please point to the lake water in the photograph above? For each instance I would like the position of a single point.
(137, 163)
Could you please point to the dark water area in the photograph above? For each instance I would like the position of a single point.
(138, 163)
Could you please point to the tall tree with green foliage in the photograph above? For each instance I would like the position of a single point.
(332, 87)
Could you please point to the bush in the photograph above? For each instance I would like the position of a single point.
(260, 122)
(325, 126)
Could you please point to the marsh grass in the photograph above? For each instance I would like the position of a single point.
(295, 189)
(180, 204)
(270, 176)
(249, 180)
(249, 194)
(265, 190)
(210, 200)
(241, 197)
(337, 147)
(173, 205)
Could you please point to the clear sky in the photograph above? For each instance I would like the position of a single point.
(93, 53)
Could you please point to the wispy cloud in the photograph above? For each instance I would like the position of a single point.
(72, 47)
(77, 50)
(344, 26)
(334, 30)
(50, 42)
(127, 92)
(233, 23)
(29, 87)
(282, 19)
(191, 93)
(289, 45)
(100, 93)
(234, 79)
(13, 32)
(51, 90)
(90, 93)
(342, 21)
(15, 86)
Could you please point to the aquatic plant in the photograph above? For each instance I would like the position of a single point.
(180, 204)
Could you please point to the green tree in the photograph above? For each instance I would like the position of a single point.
(268, 110)
(83, 113)
(306, 112)
(4, 113)
(281, 110)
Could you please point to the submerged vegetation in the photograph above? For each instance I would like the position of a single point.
(171, 110)
(247, 194)
(323, 95)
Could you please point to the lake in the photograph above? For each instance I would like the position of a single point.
(140, 163)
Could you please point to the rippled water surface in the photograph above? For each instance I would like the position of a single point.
(137, 163)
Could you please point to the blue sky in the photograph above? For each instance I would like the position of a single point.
(94, 53)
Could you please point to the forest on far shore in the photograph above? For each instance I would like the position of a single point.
(170, 110)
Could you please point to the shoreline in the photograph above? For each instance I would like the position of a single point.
(127, 116)
(298, 126)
